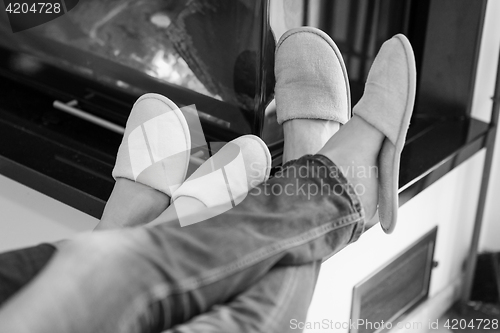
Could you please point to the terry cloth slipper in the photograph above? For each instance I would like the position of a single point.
(387, 104)
(156, 145)
(311, 78)
(225, 179)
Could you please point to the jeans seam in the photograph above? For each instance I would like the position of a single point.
(255, 257)
(349, 190)
(280, 309)
(341, 178)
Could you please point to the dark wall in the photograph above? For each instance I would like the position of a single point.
(449, 60)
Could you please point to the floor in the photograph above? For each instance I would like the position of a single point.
(478, 318)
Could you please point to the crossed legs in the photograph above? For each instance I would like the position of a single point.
(283, 294)
(47, 300)
(146, 273)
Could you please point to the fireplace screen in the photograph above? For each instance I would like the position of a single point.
(215, 54)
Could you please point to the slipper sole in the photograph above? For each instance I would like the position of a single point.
(390, 154)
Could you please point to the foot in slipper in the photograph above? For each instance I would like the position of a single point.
(373, 139)
(312, 90)
(387, 104)
(156, 145)
(151, 162)
(221, 183)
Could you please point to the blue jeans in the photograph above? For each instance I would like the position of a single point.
(268, 306)
(152, 278)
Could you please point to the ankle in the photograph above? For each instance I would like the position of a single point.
(354, 149)
(306, 136)
(132, 204)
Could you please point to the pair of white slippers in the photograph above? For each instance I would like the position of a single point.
(312, 83)
(156, 150)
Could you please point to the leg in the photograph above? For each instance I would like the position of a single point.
(361, 167)
(132, 204)
(281, 295)
(263, 308)
(270, 306)
(145, 272)
(306, 136)
(151, 160)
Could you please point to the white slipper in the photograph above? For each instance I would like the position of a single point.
(311, 78)
(225, 179)
(156, 145)
(387, 104)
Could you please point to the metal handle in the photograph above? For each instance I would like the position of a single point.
(69, 108)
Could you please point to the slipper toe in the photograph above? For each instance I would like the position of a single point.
(156, 145)
(226, 177)
(311, 78)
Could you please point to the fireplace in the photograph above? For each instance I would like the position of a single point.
(102, 55)
(218, 55)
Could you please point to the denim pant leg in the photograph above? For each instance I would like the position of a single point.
(148, 279)
(269, 306)
(318, 216)
(18, 267)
